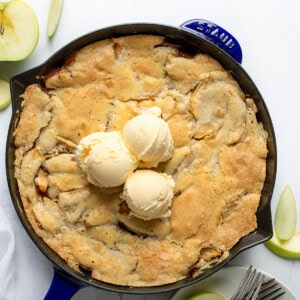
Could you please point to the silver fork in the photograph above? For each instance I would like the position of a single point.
(253, 287)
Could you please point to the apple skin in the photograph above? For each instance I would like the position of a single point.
(287, 249)
(19, 30)
(54, 15)
(4, 94)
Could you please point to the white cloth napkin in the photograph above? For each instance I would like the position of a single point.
(7, 247)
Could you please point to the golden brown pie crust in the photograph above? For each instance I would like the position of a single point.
(218, 163)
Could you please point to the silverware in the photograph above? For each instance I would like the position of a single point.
(270, 290)
(253, 286)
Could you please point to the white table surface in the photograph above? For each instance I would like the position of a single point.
(269, 33)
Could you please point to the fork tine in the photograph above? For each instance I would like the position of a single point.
(255, 289)
(251, 283)
(270, 290)
(277, 296)
(242, 285)
(274, 294)
(268, 285)
(249, 286)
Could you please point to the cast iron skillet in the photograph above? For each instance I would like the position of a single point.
(198, 35)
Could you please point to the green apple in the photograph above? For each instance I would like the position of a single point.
(19, 30)
(286, 215)
(4, 94)
(287, 249)
(54, 15)
(206, 296)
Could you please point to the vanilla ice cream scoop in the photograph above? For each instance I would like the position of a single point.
(149, 138)
(105, 159)
(149, 194)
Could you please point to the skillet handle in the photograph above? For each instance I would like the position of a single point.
(61, 287)
(216, 35)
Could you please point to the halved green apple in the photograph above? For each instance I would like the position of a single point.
(4, 94)
(19, 30)
(287, 249)
(54, 15)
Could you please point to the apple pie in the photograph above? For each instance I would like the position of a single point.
(218, 162)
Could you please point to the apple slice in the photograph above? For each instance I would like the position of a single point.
(206, 296)
(55, 10)
(286, 215)
(287, 249)
(4, 94)
(19, 30)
